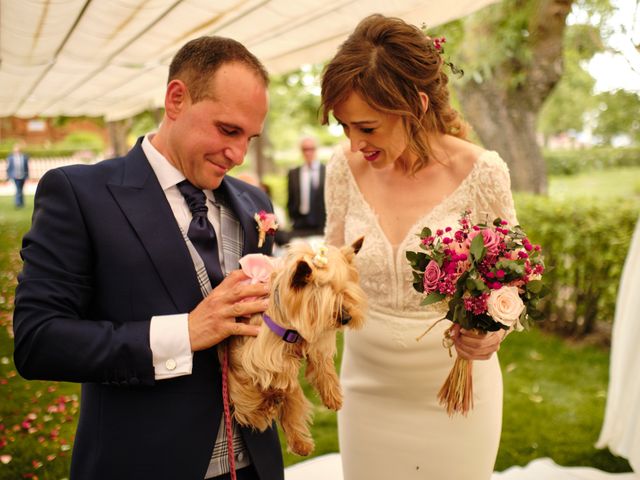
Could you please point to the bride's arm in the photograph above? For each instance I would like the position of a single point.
(496, 200)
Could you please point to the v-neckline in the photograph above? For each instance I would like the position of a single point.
(421, 218)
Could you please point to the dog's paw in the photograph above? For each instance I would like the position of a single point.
(302, 447)
(333, 402)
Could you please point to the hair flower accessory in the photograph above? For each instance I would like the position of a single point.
(436, 44)
(438, 41)
(320, 259)
(267, 225)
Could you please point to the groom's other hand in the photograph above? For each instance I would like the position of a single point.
(214, 319)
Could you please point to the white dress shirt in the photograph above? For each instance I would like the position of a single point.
(169, 334)
(309, 175)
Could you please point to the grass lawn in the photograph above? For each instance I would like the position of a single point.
(620, 182)
(555, 391)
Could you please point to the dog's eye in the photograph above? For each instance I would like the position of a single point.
(344, 316)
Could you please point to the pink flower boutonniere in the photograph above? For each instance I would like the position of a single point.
(267, 225)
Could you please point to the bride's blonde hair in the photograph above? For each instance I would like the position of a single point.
(388, 63)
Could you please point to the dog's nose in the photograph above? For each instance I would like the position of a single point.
(344, 317)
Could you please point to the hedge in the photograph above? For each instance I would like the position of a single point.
(585, 244)
(571, 162)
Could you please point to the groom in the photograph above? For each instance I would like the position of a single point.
(114, 292)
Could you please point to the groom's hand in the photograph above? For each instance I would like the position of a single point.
(214, 319)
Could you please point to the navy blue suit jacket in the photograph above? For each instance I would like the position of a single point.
(105, 254)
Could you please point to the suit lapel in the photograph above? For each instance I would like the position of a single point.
(145, 205)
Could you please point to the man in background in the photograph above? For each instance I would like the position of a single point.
(18, 172)
(305, 201)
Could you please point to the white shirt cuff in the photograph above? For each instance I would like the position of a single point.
(170, 346)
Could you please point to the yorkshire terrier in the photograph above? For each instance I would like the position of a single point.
(314, 293)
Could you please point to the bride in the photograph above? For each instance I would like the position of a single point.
(408, 165)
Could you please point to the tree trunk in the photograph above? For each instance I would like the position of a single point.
(507, 125)
(118, 131)
(502, 103)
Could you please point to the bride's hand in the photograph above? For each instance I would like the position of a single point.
(473, 345)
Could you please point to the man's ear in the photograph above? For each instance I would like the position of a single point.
(175, 98)
(424, 99)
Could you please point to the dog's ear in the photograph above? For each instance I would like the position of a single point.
(301, 275)
(350, 251)
(357, 245)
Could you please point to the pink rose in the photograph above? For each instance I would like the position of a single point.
(432, 275)
(491, 240)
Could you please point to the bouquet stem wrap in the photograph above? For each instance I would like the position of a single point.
(456, 393)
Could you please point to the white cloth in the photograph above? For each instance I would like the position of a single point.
(391, 425)
(329, 466)
(621, 427)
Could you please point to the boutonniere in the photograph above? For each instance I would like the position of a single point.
(267, 225)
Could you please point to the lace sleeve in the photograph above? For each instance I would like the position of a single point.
(497, 199)
(336, 198)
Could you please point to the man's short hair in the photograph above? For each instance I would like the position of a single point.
(198, 60)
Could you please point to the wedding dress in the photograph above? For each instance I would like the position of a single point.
(391, 425)
(621, 427)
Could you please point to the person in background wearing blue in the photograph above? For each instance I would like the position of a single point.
(18, 172)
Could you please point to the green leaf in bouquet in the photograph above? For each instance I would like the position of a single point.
(477, 248)
(512, 268)
(438, 257)
(463, 317)
(418, 281)
(486, 323)
(497, 222)
(534, 313)
(426, 232)
(432, 298)
(534, 286)
(475, 285)
(417, 260)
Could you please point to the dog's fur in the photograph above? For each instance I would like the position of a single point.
(308, 297)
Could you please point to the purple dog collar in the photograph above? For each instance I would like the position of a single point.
(289, 336)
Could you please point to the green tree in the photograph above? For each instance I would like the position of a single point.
(294, 109)
(513, 52)
(618, 115)
(573, 97)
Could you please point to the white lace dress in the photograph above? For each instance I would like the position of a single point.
(391, 425)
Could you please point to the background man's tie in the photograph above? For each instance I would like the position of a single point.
(201, 232)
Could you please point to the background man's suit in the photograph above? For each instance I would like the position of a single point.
(311, 223)
(18, 172)
(107, 251)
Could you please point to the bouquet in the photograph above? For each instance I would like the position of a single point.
(491, 277)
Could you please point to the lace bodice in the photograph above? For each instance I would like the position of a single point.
(385, 273)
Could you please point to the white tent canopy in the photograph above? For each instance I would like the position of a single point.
(110, 57)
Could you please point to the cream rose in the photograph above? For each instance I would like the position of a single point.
(505, 306)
